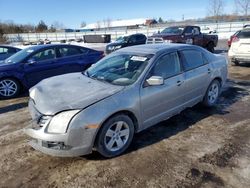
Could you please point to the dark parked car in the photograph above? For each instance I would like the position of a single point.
(125, 41)
(185, 34)
(31, 65)
(7, 51)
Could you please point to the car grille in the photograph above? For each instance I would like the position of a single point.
(43, 121)
(38, 120)
(154, 40)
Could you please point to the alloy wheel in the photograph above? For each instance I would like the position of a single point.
(8, 88)
(213, 93)
(116, 136)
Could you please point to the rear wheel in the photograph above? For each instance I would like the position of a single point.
(210, 47)
(115, 136)
(9, 88)
(212, 93)
(235, 62)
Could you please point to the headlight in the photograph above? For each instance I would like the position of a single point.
(33, 93)
(118, 47)
(60, 122)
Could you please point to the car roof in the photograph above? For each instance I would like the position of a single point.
(38, 47)
(155, 48)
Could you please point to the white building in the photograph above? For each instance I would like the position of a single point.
(118, 24)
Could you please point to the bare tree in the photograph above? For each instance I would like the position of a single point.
(243, 6)
(98, 25)
(58, 25)
(83, 24)
(109, 23)
(215, 8)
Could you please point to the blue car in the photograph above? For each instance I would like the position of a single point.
(31, 65)
(7, 51)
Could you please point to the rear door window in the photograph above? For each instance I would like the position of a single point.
(140, 37)
(132, 39)
(3, 50)
(69, 51)
(192, 59)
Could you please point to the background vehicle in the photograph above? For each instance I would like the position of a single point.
(125, 41)
(246, 26)
(229, 42)
(126, 92)
(185, 34)
(240, 47)
(7, 51)
(29, 66)
(208, 30)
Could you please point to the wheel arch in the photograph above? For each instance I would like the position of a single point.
(219, 79)
(14, 78)
(130, 114)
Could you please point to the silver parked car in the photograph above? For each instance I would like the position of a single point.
(124, 93)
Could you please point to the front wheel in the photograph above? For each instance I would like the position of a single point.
(212, 94)
(115, 136)
(9, 88)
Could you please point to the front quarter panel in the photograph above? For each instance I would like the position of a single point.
(86, 124)
(13, 71)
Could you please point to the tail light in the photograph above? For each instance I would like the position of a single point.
(235, 39)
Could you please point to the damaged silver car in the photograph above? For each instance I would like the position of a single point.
(124, 93)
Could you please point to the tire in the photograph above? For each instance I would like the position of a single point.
(9, 88)
(115, 136)
(212, 93)
(210, 47)
(236, 63)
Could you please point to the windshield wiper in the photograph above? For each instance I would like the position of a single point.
(100, 79)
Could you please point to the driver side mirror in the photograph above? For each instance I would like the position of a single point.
(31, 61)
(155, 81)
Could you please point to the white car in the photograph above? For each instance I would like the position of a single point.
(240, 47)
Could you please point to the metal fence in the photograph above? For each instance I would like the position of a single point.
(220, 28)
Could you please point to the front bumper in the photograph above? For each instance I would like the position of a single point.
(71, 144)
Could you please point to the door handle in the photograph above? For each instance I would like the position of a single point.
(208, 71)
(179, 83)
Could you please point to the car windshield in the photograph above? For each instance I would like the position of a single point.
(122, 39)
(121, 69)
(19, 56)
(173, 30)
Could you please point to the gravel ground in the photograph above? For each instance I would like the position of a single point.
(201, 147)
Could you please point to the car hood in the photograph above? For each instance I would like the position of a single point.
(69, 91)
(115, 43)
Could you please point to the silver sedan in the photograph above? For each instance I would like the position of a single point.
(124, 93)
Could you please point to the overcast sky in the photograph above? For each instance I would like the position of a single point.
(72, 12)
